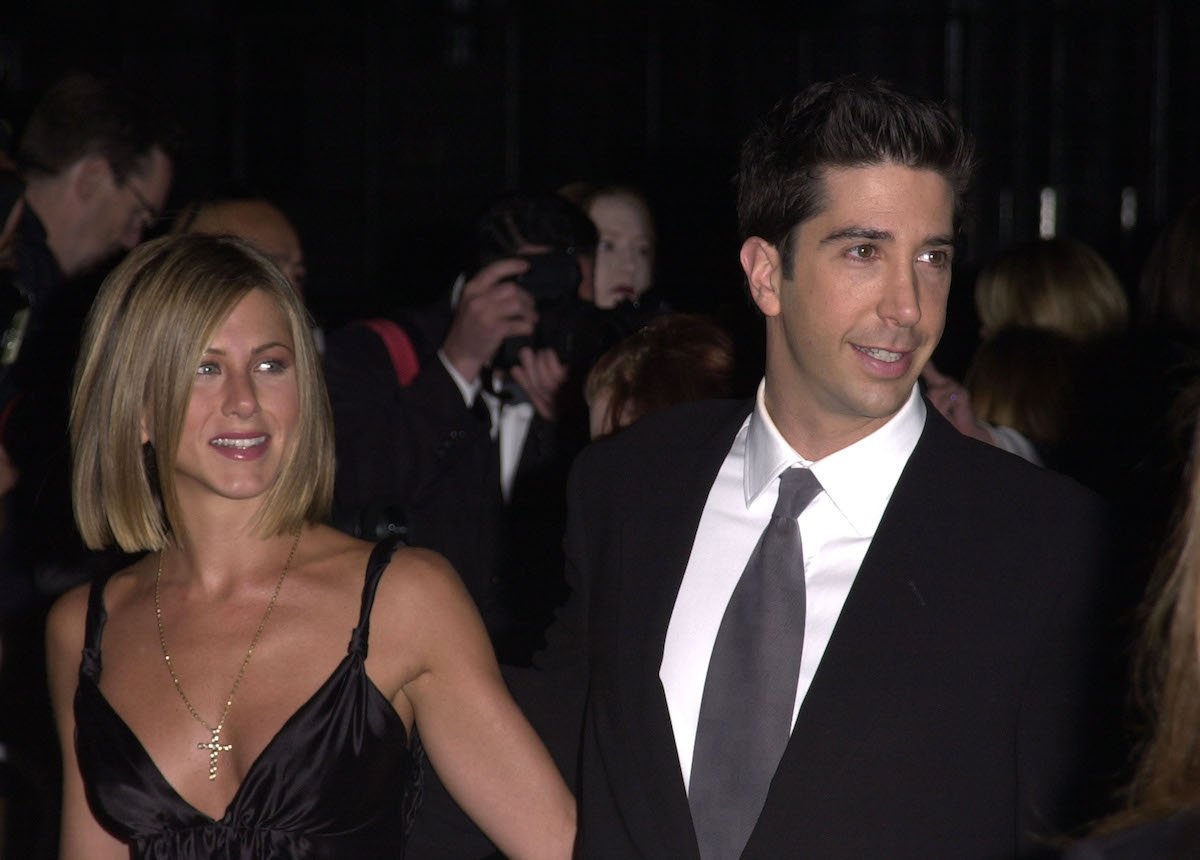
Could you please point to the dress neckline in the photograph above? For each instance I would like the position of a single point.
(257, 765)
(91, 669)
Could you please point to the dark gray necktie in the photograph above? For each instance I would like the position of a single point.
(750, 690)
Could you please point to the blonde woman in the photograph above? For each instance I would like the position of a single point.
(245, 690)
(1058, 284)
(1050, 302)
(1161, 818)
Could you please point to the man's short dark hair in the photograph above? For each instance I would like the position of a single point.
(845, 123)
(84, 115)
(531, 218)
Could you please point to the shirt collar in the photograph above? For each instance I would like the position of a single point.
(858, 479)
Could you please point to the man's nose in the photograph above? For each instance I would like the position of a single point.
(900, 301)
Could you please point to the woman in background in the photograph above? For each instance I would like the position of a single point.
(1049, 311)
(1161, 819)
(627, 246)
(1057, 284)
(675, 358)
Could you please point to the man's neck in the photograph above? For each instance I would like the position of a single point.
(814, 440)
(45, 199)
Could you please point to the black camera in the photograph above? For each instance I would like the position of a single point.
(552, 280)
(550, 276)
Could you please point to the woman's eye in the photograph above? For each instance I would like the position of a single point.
(273, 365)
(605, 245)
(208, 368)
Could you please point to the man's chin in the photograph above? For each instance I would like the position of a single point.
(885, 400)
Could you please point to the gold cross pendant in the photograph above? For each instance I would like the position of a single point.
(215, 748)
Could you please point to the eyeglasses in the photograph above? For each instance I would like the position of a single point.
(147, 214)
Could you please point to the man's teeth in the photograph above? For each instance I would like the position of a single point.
(239, 443)
(881, 354)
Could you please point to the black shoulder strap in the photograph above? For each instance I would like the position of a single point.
(376, 565)
(97, 615)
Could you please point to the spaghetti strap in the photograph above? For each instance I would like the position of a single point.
(376, 565)
(97, 615)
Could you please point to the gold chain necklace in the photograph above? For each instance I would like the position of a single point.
(214, 745)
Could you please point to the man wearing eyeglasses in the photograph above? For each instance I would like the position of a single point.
(93, 173)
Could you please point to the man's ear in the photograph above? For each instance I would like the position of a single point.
(764, 273)
(89, 176)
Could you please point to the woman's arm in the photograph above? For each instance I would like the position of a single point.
(486, 753)
(82, 836)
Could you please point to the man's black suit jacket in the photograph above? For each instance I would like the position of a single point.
(948, 715)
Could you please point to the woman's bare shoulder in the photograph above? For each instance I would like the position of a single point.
(421, 575)
(420, 601)
(411, 571)
(65, 622)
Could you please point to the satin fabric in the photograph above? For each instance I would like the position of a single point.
(338, 780)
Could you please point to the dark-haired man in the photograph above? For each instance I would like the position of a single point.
(96, 171)
(93, 174)
(823, 623)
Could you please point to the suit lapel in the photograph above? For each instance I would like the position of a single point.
(886, 603)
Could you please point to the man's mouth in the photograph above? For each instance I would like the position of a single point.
(880, 354)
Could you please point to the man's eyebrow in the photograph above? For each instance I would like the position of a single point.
(873, 235)
(854, 232)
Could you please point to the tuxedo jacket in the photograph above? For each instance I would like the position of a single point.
(949, 715)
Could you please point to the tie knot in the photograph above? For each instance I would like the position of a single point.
(797, 487)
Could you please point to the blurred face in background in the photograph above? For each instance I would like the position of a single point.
(117, 213)
(263, 225)
(625, 251)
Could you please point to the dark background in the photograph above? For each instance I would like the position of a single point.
(382, 128)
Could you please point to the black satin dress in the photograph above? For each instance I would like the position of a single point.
(338, 780)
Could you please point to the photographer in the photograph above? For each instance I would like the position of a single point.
(446, 425)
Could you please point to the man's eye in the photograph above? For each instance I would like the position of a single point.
(936, 258)
(863, 252)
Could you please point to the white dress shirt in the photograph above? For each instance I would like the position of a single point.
(510, 422)
(836, 529)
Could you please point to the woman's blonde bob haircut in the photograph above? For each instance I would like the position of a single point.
(1167, 664)
(1056, 284)
(146, 334)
